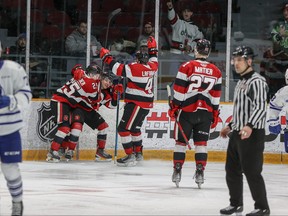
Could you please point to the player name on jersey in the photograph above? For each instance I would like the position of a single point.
(203, 70)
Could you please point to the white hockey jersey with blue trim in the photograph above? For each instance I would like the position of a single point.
(15, 84)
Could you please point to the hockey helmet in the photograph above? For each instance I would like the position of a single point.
(142, 57)
(203, 47)
(93, 69)
(107, 75)
(243, 51)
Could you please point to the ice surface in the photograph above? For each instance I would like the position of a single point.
(93, 188)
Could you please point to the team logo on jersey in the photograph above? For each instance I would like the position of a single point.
(46, 124)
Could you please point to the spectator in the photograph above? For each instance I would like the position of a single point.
(123, 50)
(183, 39)
(20, 45)
(184, 33)
(279, 35)
(149, 31)
(36, 64)
(76, 42)
(143, 46)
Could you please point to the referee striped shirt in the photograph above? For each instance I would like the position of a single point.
(250, 106)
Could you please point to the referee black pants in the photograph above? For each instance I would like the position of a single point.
(246, 156)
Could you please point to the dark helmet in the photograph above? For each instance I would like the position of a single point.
(203, 47)
(243, 51)
(108, 75)
(93, 69)
(142, 57)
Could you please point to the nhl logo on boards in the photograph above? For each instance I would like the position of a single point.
(46, 124)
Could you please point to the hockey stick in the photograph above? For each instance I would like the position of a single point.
(177, 122)
(111, 15)
(117, 119)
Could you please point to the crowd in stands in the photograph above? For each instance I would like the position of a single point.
(52, 22)
(60, 28)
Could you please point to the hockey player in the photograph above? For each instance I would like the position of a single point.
(15, 96)
(279, 105)
(95, 121)
(92, 118)
(195, 105)
(139, 98)
(82, 94)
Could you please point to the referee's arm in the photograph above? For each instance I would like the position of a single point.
(259, 99)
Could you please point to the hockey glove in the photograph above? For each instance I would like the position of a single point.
(77, 66)
(78, 74)
(173, 111)
(8, 101)
(4, 101)
(117, 89)
(215, 118)
(105, 56)
(286, 140)
(274, 126)
(152, 46)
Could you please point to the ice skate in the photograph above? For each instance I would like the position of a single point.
(69, 155)
(17, 208)
(128, 160)
(176, 176)
(231, 210)
(199, 175)
(102, 156)
(139, 156)
(259, 212)
(61, 152)
(53, 156)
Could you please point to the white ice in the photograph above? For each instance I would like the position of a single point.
(90, 188)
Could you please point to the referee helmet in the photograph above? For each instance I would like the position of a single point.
(244, 51)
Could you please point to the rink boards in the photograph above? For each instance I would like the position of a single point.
(157, 132)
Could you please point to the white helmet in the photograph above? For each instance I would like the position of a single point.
(286, 76)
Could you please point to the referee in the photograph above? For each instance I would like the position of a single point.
(246, 144)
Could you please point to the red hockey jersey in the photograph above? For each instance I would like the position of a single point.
(83, 93)
(107, 98)
(140, 81)
(198, 86)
